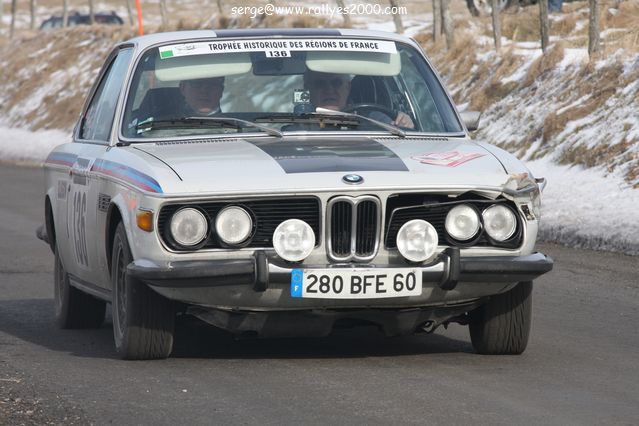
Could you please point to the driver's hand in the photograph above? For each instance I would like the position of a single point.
(403, 120)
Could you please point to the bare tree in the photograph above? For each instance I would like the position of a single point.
(65, 13)
(14, 6)
(496, 24)
(129, 11)
(347, 17)
(437, 22)
(594, 40)
(164, 14)
(219, 7)
(396, 17)
(91, 13)
(447, 23)
(32, 7)
(544, 26)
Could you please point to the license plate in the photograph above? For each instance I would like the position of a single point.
(355, 283)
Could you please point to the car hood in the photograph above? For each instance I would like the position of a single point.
(303, 164)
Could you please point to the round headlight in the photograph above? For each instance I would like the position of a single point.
(188, 227)
(500, 222)
(233, 225)
(417, 240)
(462, 222)
(293, 240)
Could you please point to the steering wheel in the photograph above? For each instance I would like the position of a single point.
(362, 109)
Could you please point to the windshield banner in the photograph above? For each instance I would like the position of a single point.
(278, 47)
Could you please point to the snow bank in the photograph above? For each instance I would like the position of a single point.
(588, 208)
(24, 146)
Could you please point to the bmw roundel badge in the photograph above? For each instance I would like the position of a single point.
(353, 179)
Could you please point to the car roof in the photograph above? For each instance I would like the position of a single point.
(145, 41)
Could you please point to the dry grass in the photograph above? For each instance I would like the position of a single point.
(545, 64)
(63, 50)
(626, 17)
(494, 89)
(600, 155)
(457, 62)
(522, 26)
(600, 85)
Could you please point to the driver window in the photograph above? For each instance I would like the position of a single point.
(98, 118)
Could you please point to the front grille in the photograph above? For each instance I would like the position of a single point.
(267, 215)
(354, 228)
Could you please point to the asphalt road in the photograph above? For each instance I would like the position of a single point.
(581, 365)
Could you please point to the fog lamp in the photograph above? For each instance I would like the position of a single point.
(293, 240)
(417, 240)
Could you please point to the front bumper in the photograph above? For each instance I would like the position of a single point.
(260, 284)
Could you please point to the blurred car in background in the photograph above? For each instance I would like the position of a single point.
(484, 7)
(76, 18)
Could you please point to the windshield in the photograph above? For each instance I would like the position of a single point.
(289, 85)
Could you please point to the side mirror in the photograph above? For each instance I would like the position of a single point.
(471, 119)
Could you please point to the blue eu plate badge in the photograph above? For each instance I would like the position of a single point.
(297, 277)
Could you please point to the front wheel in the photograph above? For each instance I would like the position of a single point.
(73, 307)
(143, 321)
(502, 325)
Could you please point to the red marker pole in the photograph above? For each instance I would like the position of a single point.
(137, 5)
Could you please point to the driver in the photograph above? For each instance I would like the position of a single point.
(331, 91)
(202, 96)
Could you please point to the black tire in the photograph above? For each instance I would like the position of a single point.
(143, 320)
(502, 325)
(74, 308)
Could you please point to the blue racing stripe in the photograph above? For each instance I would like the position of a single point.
(127, 174)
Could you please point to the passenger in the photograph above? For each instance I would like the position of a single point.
(331, 91)
(202, 96)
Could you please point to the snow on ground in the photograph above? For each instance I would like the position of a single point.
(587, 208)
(24, 146)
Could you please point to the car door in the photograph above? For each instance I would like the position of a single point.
(92, 136)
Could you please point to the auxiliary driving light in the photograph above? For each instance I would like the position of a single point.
(233, 225)
(293, 240)
(500, 222)
(188, 227)
(417, 240)
(462, 222)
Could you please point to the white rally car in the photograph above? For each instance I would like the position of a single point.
(282, 183)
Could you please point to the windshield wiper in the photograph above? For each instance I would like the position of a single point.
(329, 116)
(232, 122)
(392, 129)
